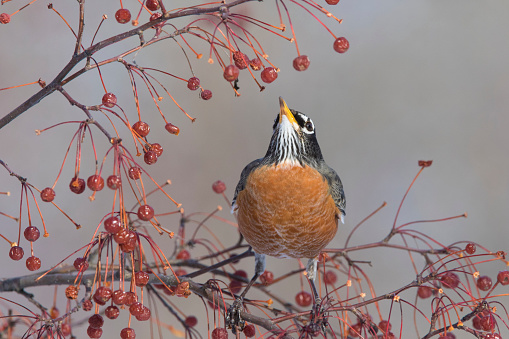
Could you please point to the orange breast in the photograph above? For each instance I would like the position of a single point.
(287, 212)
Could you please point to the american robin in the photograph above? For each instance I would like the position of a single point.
(289, 202)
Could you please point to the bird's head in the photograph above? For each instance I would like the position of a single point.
(293, 139)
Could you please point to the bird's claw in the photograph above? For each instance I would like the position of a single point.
(233, 316)
(318, 318)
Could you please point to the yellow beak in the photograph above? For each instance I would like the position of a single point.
(284, 110)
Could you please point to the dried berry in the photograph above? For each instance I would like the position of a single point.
(268, 75)
(77, 185)
(109, 100)
(219, 187)
(142, 128)
(341, 45)
(48, 194)
(16, 253)
(193, 83)
(114, 181)
(301, 63)
(95, 182)
(31, 233)
(231, 73)
(123, 16)
(206, 94)
(172, 128)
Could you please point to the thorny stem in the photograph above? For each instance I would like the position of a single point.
(57, 81)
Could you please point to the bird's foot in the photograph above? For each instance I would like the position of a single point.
(233, 316)
(319, 317)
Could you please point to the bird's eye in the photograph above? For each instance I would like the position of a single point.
(309, 126)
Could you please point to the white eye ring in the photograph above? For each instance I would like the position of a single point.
(309, 127)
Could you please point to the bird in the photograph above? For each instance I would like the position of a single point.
(289, 202)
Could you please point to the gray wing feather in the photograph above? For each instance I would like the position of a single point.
(243, 177)
(335, 186)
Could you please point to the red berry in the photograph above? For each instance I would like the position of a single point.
(5, 18)
(153, 5)
(114, 181)
(109, 100)
(491, 336)
(145, 212)
(193, 83)
(154, 17)
(235, 286)
(330, 278)
(33, 263)
(267, 278)
(65, 328)
(47, 194)
(301, 63)
(16, 253)
(102, 295)
(32, 233)
(119, 297)
(123, 16)
(183, 255)
(131, 242)
(127, 333)
(488, 322)
(424, 292)
(240, 60)
(355, 330)
(268, 75)
(112, 225)
(157, 149)
(303, 299)
(256, 64)
(134, 173)
(470, 248)
(77, 185)
(231, 73)
(130, 298)
(484, 283)
(249, 331)
(450, 280)
(448, 335)
(136, 308)
(341, 45)
(121, 236)
(96, 321)
(332, 2)
(112, 312)
(94, 332)
(145, 314)
(503, 277)
(141, 278)
(191, 321)
(95, 182)
(219, 187)
(142, 128)
(219, 333)
(81, 264)
(172, 128)
(206, 94)
(87, 305)
(385, 326)
(150, 157)
(241, 273)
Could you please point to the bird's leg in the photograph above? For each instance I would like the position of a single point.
(233, 318)
(317, 318)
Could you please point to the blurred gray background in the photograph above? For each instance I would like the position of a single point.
(422, 80)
